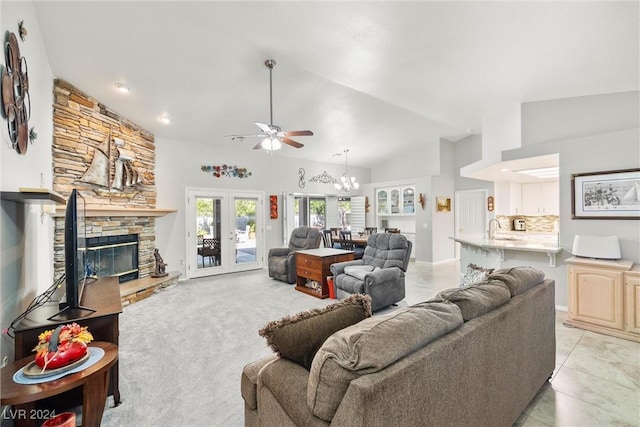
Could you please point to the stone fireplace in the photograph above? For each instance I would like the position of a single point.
(112, 256)
(102, 228)
(111, 162)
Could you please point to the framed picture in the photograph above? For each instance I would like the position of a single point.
(606, 195)
(443, 204)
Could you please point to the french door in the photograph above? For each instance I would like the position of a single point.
(224, 232)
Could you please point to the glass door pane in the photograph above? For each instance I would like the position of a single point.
(209, 242)
(245, 221)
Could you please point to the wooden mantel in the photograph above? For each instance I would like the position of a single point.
(119, 211)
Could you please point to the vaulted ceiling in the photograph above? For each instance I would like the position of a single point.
(374, 77)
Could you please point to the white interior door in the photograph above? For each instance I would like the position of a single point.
(470, 214)
(224, 231)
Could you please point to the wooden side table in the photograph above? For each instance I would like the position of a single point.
(94, 382)
(313, 264)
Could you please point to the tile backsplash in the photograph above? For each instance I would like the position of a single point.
(536, 224)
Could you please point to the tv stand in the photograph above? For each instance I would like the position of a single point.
(104, 296)
(69, 314)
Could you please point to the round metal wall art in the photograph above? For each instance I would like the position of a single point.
(16, 102)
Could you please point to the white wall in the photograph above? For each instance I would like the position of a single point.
(178, 167)
(595, 145)
(443, 222)
(26, 239)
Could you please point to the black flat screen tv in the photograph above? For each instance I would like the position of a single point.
(74, 260)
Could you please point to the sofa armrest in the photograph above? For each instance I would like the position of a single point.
(338, 267)
(383, 275)
(249, 380)
(278, 252)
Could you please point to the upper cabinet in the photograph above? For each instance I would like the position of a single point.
(540, 198)
(396, 200)
(382, 199)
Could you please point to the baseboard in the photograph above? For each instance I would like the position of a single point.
(562, 308)
(435, 263)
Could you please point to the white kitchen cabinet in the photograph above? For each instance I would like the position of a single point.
(395, 201)
(540, 198)
(515, 198)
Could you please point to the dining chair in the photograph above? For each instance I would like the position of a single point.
(327, 238)
(211, 249)
(371, 230)
(346, 240)
(392, 230)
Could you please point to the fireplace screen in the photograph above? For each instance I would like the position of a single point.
(113, 256)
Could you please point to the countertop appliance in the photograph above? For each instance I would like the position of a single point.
(519, 225)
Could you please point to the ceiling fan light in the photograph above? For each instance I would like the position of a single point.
(271, 144)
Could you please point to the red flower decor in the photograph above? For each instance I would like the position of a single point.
(71, 346)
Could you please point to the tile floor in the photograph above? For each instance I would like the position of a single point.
(597, 377)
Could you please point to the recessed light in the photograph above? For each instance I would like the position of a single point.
(504, 170)
(121, 87)
(165, 119)
(470, 130)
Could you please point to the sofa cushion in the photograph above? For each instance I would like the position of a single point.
(358, 271)
(518, 279)
(474, 273)
(476, 299)
(298, 337)
(372, 345)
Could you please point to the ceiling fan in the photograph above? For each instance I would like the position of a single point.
(272, 135)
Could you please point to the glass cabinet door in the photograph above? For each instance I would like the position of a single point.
(381, 201)
(395, 201)
(408, 200)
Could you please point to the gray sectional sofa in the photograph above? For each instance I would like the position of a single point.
(471, 356)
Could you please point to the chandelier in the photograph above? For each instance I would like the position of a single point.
(347, 182)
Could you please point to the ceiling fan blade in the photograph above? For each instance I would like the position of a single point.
(291, 142)
(265, 128)
(258, 146)
(245, 136)
(298, 133)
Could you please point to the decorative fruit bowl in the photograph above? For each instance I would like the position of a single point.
(62, 346)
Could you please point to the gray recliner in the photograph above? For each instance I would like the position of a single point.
(380, 273)
(282, 261)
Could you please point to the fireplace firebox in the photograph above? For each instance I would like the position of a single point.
(113, 256)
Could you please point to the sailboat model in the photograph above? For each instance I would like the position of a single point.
(98, 173)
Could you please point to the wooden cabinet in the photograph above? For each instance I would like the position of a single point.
(603, 297)
(632, 301)
(540, 198)
(313, 267)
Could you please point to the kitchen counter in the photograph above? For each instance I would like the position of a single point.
(511, 244)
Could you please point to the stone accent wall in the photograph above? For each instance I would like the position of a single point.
(81, 126)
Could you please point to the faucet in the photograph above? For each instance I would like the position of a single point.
(491, 235)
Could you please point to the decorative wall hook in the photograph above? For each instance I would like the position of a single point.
(421, 200)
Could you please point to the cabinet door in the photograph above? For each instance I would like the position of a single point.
(550, 198)
(531, 199)
(382, 199)
(632, 302)
(408, 200)
(394, 202)
(515, 198)
(596, 296)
